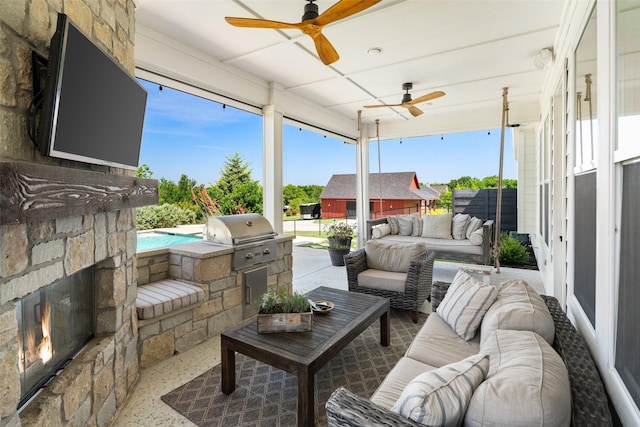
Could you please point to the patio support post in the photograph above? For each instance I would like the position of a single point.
(362, 178)
(272, 160)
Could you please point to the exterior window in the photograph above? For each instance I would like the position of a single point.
(627, 343)
(627, 157)
(586, 114)
(628, 77)
(584, 286)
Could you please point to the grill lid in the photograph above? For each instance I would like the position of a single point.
(238, 229)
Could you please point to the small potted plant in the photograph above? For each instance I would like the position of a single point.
(339, 235)
(284, 312)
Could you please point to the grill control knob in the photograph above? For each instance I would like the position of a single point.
(266, 251)
(249, 255)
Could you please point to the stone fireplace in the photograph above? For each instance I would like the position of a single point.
(96, 382)
(58, 218)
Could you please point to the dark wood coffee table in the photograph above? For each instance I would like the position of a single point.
(304, 353)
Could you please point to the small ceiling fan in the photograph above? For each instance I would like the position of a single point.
(312, 23)
(408, 103)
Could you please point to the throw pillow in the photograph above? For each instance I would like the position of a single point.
(380, 230)
(527, 384)
(437, 226)
(459, 226)
(440, 397)
(393, 223)
(392, 256)
(477, 237)
(465, 303)
(474, 224)
(417, 225)
(518, 307)
(405, 225)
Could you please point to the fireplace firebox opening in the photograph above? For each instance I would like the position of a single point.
(54, 324)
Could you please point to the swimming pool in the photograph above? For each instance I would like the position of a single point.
(156, 240)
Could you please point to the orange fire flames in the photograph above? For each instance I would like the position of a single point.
(42, 350)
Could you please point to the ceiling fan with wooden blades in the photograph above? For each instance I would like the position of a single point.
(410, 104)
(312, 23)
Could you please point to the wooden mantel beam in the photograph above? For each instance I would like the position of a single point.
(31, 192)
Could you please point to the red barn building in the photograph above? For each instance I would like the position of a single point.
(396, 193)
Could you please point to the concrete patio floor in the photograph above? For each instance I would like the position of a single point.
(311, 268)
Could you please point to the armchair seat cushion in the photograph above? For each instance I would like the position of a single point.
(384, 280)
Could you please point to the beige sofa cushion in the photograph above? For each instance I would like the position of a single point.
(417, 225)
(393, 223)
(474, 224)
(385, 280)
(527, 385)
(460, 246)
(436, 344)
(405, 224)
(396, 380)
(459, 226)
(440, 397)
(519, 307)
(465, 304)
(380, 230)
(392, 256)
(477, 237)
(437, 226)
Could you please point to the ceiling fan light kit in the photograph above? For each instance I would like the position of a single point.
(312, 23)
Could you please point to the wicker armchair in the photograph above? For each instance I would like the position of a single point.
(417, 288)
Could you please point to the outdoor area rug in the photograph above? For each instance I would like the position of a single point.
(267, 396)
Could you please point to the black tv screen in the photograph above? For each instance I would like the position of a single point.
(93, 110)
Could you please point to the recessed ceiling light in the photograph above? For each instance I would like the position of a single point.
(375, 51)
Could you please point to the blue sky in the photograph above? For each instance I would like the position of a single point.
(185, 134)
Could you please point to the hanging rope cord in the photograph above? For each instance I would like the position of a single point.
(587, 97)
(496, 242)
(379, 167)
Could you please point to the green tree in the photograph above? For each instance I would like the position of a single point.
(490, 181)
(313, 193)
(184, 189)
(167, 191)
(236, 191)
(509, 183)
(234, 172)
(144, 171)
(292, 192)
(445, 199)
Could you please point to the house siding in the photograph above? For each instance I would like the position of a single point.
(601, 335)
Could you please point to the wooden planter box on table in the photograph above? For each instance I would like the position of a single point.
(284, 322)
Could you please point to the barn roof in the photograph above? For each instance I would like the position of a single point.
(394, 185)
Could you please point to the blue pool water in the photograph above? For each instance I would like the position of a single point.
(160, 240)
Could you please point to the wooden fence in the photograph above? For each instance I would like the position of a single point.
(482, 204)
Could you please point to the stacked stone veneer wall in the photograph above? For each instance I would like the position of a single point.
(95, 384)
(210, 268)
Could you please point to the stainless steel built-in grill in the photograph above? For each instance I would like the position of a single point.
(250, 234)
(254, 243)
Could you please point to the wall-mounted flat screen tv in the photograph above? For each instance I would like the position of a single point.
(92, 109)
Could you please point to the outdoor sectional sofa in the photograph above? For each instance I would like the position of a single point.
(458, 238)
(506, 374)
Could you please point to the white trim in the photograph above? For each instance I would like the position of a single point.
(626, 153)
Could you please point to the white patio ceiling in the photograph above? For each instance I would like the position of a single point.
(469, 49)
